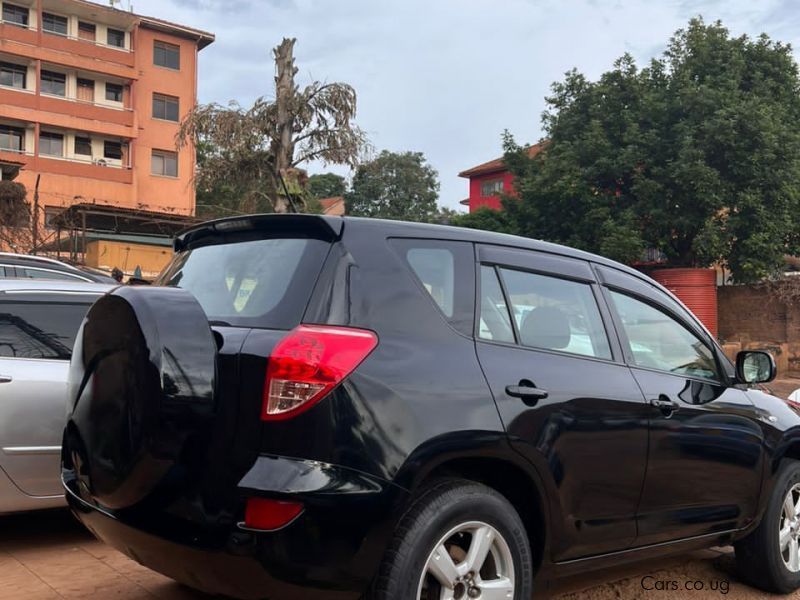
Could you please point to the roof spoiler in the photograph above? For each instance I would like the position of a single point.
(321, 227)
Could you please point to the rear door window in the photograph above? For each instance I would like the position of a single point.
(33, 273)
(258, 283)
(42, 330)
(556, 314)
(494, 323)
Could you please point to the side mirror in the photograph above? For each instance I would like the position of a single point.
(754, 366)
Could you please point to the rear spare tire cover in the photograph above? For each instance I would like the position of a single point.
(141, 385)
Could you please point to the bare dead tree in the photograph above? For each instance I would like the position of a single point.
(246, 155)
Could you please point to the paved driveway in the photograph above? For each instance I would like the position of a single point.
(48, 556)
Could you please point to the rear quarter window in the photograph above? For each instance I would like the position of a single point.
(263, 283)
(445, 271)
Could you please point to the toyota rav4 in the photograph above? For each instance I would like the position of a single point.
(321, 407)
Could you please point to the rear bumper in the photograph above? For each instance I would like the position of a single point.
(331, 551)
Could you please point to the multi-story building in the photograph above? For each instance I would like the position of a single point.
(90, 103)
(489, 180)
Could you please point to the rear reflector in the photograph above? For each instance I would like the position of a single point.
(308, 363)
(268, 515)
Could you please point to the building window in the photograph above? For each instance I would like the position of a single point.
(112, 150)
(51, 144)
(113, 92)
(491, 188)
(167, 55)
(50, 213)
(17, 15)
(83, 146)
(54, 23)
(116, 38)
(54, 83)
(165, 107)
(12, 138)
(164, 163)
(85, 90)
(87, 31)
(13, 75)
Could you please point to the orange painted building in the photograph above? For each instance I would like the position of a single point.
(90, 103)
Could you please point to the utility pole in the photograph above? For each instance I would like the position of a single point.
(36, 215)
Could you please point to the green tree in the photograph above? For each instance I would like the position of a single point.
(255, 153)
(16, 231)
(697, 155)
(216, 197)
(487, 219)
(326, 185)
(395, 186)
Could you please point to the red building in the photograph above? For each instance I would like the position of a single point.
(488, 180)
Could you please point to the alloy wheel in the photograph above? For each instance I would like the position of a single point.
(471, 561)
(789, 530)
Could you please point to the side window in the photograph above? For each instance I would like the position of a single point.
(446, 271)
(43, 274)
(657, 341)
(39, 329)
(494, 323)
(556, 314)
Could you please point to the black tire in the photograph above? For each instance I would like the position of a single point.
(436, 511)
(758, 557)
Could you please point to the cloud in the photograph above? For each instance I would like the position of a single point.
(446, 77)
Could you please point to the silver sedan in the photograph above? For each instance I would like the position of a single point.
(38, 324)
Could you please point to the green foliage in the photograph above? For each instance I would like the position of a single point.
(697, 155)
(219, 197)
(14, 211)
(326, 185)
(15, 217)
(394, 185)
(485, 218)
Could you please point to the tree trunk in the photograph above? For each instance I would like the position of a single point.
(285, 91)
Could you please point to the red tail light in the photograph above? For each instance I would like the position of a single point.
(268, 515)
(308, 363)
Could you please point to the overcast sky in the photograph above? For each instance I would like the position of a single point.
(445, 77)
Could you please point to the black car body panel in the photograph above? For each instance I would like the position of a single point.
(595, 467)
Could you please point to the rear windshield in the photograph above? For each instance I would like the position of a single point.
(260, 283)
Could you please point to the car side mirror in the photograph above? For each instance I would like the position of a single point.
(755, 366)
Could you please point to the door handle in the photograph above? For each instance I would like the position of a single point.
(665, 405)
(6, 379)
(527, 392)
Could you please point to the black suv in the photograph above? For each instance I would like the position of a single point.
(320, 407)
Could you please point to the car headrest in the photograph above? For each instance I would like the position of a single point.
(546, 327)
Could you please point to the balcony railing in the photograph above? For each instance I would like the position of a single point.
(86, 41)
(28, 27)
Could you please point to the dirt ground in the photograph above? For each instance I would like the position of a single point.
(48, 556)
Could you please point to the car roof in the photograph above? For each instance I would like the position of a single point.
(50, 286)
(339, 226)
(27, 258)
